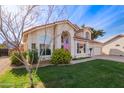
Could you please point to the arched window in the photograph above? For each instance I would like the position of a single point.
(87, 35)
(82, 34)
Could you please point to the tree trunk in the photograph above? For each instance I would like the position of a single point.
(29, 69)
(31, 79)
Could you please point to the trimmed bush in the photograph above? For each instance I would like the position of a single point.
(15, 60)
(61, 56)
(32, 56)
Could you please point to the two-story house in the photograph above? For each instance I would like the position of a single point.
(62, 34)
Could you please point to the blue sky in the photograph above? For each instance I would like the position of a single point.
(109, 18)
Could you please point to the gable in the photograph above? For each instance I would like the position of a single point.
(51, 24)
(61, 25)
(114, 39)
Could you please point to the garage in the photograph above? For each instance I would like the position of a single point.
(114, 46)
(96, 48)
(97, 51)
(116, 52)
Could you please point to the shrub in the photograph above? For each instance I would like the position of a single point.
(15, 60)
(61, 56)
(32, 56)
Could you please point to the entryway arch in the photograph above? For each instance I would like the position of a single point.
(66, 40)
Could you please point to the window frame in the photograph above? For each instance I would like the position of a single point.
(33, 46)
(79, 47)
(84, 48)
(48, 50)
(87, 35)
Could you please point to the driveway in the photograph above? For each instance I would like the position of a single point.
(4, 64)
(113, 58)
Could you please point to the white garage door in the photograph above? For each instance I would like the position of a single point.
(97, 51)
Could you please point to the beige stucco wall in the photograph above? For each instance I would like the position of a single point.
(82, 54)
(34, 37)
(83, 33)
(96, 49)
(61, 28)
(112, 45)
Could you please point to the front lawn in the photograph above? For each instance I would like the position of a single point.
(96, 73)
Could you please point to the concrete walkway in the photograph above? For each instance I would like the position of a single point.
(4, 64)
(82, 60)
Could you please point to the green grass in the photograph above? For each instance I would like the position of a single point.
(96, 73)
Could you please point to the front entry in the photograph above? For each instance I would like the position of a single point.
(65, 41)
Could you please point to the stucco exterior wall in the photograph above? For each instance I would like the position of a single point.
(96, 49)
(38, 38)
(82, 54)
(112, 45)
(61, 28)
(35, 37)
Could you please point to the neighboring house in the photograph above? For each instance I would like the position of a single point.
(8, 45)
(62, 34)
(114, 46)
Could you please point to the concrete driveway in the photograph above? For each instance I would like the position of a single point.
(4, 64)
(113, 58)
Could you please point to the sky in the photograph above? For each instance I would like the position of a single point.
(108, 18)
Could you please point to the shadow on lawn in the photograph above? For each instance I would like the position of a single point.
(19, 72)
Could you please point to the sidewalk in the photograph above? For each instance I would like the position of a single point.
(4, 64)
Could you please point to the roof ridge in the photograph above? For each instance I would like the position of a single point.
(76, 27)
(117, 36)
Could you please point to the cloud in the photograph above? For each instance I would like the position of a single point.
(79, 13)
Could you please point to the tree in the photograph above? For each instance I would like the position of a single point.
(2, 46)
(12, 26)
(95, 33)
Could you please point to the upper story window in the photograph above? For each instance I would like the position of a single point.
(87, 35)
(83, 34)
(33, 46)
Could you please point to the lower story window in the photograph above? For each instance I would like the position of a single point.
(84, 48)
(79, 47)
(44, 49)
(33, 46)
